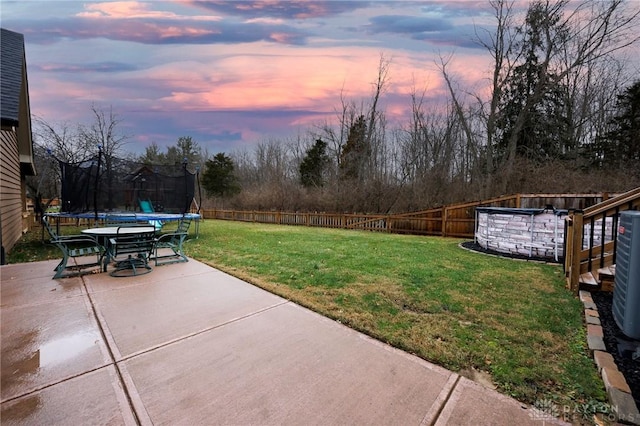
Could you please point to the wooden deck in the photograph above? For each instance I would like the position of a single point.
(591, 242)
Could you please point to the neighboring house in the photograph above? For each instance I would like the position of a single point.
(16, 145)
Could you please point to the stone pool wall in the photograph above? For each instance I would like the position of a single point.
(521, 234)
(530, 232)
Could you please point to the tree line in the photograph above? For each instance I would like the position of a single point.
(561, 114)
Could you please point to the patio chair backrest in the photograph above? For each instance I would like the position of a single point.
(179, 235)
(172, 242)
(50, 229)
(74, 246)
(140, 243)
(132, 251)
(183, 226)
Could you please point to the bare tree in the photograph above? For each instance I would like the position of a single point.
(469, 152)
(103, 132)
(500, 45)
(376, 123)
(566, 49)
(104, 137)
(569, 41)
(62, 141)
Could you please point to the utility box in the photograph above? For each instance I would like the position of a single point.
(626, 293)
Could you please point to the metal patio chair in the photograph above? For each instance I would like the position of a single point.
(131, 251)
(74, 247)
(171, 244)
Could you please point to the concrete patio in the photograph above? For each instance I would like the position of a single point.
(188, 344)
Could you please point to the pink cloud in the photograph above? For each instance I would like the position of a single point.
(132, 10)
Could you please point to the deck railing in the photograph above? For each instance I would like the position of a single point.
(591, 234)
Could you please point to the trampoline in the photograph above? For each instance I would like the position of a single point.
(105, 188)
(125, 216)
(110, 184)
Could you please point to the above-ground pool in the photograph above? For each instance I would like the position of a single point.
(535, 233)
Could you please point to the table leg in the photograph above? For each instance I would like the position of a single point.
(107, 254)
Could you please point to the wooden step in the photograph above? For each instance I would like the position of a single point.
(607, 276)
(606, 273)
(588, 281)
(602, 279)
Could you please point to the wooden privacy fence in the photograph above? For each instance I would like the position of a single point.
(591, 238)
(456, 220)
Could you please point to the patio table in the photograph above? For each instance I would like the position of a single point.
(106, 232)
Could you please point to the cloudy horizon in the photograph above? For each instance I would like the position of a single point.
(230, 74)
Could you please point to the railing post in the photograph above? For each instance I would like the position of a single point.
(614, 234)
(603, 239)
(567, 237)
(576, 248)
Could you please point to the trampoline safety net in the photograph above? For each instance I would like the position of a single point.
(115, 184)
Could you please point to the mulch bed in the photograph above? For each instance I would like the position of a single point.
(621, 347)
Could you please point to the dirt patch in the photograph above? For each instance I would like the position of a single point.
(478, 376)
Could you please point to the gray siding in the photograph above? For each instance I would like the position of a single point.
(11, 63)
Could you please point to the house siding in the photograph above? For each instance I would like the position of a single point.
(16, 144)
(11, 193)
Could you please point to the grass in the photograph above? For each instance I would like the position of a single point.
(462, 310)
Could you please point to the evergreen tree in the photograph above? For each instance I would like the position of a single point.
(152, 155)
(532, 106)
(185, 148)
(189, 149)
(353, 158)
(312, 167)
(626, 125)
(620, 145)
(218, 178)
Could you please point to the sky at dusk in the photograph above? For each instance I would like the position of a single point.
(231, 74)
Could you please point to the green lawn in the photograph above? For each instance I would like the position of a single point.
(462, 310)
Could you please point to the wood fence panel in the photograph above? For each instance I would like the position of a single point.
(415, 225)
(460, 221)
(427, 222)
(561, 201)
(456, 220)
(366, 222)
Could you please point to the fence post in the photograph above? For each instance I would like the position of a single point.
(443, 231)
